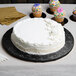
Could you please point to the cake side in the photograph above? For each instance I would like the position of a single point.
(38, 36)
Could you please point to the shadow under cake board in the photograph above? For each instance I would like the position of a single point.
(13, 51)
(43, 15)
(71, 18)
(49, 11)
(62, 23)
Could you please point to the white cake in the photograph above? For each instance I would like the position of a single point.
(38, 36)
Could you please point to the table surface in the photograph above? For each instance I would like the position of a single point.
(70, 59)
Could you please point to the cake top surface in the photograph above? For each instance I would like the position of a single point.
(39, 31)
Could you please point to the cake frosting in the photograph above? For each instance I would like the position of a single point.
(74, 11)
(60, 13)
(38, 36)
(36, 8)
(74, 14)
(54, 3)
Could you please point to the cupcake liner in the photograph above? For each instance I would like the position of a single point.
(43, 15)
(59, 19)
(62, 23)
(53, 9)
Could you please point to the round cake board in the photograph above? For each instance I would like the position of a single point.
(12, 50)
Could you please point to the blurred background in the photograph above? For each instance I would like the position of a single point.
(35, 1)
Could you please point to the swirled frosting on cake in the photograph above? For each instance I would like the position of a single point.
(38, 36)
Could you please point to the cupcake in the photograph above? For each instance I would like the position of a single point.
(74, 13)
(54, 4)
(37, 10)
(59, 14)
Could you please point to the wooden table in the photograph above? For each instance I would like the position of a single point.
(63, 65)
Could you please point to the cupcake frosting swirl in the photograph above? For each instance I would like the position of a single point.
(36, 8)
(74, 11)
(54, 3)
(59, 13)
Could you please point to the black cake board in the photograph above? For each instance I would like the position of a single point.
(12, 50)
